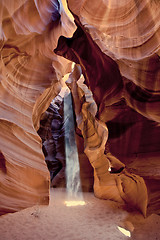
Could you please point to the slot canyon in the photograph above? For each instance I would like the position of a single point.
(79, 115)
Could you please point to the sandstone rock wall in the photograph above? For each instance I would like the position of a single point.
(30, 76)
(116, 43)
(128, 33)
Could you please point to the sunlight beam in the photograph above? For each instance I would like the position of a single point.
(124, 231)
(74, 203)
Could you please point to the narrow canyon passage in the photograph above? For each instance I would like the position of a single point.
(106, 144)
(97, 219)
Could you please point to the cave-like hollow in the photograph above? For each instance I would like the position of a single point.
(116, 46)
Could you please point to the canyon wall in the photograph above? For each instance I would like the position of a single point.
(117, 45)
(30, 76)
(119, 55)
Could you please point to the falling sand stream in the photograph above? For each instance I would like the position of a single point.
(74, 192)
(97, 219)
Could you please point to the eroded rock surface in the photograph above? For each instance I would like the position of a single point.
(30, 76)
(128, 34)
(117, 46)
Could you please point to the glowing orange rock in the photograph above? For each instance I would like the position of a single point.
(30, 76)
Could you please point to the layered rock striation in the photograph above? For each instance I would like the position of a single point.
(119, 56)
(117, 45)
(30, 76)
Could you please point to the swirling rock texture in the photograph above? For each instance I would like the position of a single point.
(52, 133)
(117, 184)
(117, 45)
(30, 76)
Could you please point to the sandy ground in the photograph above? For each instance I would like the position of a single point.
(96, 220)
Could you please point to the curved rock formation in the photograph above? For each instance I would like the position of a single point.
(30, 77)
(118, 184)
(116, 44)
(126, 32)
(129, 33)
(52, 133)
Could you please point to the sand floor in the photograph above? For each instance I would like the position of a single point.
(96, 220)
